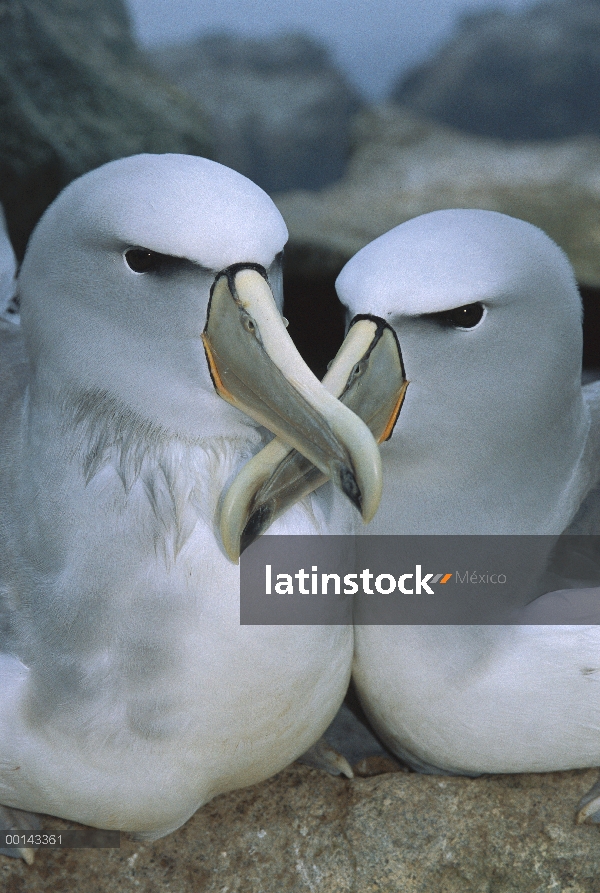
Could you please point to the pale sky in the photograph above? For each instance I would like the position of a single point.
(372, 41)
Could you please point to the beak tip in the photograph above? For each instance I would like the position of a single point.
(369, 514)
(233, 552)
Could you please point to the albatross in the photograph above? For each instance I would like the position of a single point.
(496, 436)
(149, 359)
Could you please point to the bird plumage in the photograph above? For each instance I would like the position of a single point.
(130, 693)
(496, 436)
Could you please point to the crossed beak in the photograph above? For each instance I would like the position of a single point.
(255, 366)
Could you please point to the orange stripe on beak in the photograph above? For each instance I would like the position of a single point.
(394, 416)
(214, 373)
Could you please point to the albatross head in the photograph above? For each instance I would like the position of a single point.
(115, 284)
(154, 282)
(488, 318)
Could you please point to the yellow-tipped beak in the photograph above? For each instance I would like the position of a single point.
(368, 376)
(256, 367)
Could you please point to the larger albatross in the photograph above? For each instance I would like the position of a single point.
(496, 436)
(129, 692)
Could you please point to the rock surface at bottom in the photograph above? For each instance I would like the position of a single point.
(306, 831)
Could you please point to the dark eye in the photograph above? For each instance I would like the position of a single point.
(465, 317)
(142, 260)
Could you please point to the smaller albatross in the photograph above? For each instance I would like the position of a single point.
(496, 436)
(129, 692)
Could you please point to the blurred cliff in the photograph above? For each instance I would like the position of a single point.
(506, 116)
(404, 165)
(75, 93)
(534, 74)
(279, 110)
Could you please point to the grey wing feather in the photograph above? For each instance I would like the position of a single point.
(591, 395)
(587, 519)
(575, 559)
(14, 376)
(8, 271)
(14, 366)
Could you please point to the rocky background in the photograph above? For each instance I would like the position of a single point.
(505, 117)
(76, 92)
(278, 110)
(403, 165)
(528, 76)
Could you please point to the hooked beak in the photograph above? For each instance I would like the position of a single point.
(367, 375)
(255, 366)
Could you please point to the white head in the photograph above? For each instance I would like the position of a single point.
(93, 324)
(493, 424)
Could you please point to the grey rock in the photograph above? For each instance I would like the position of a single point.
(531, 74)
(353, 737)
(306, 832)
(404, 165)
(278, 109)
(77, 93)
